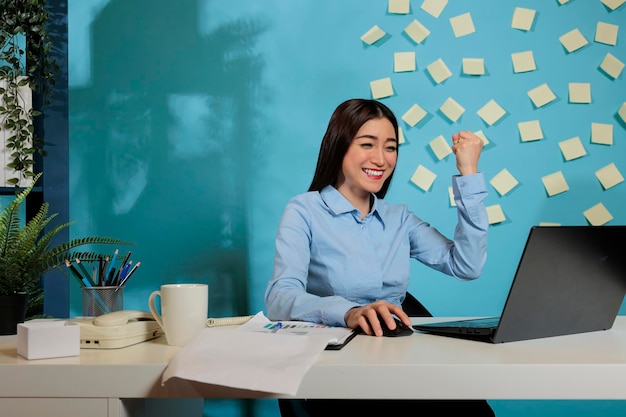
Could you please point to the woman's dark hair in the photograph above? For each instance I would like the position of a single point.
(343, 126)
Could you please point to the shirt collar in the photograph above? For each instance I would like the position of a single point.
(338, 204)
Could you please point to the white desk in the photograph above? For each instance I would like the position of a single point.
(585, 366)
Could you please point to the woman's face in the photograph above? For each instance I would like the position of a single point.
(370, 159)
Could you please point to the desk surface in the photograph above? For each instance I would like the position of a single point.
(584, 366)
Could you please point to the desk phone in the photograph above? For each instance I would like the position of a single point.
(117, 329)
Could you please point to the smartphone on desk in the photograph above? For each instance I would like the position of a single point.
(117, 329)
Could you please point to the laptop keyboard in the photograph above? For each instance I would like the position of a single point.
(475, 323)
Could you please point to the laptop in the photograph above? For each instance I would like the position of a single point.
(570, 279)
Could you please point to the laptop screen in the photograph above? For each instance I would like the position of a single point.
(570, 279)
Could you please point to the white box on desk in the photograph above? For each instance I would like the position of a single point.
(41, 339)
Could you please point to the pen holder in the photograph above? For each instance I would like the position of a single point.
(102, 300)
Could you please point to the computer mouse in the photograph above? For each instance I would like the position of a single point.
(400, 330)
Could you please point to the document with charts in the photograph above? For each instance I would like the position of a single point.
(337, 336)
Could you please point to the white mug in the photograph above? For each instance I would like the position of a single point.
(184, 311)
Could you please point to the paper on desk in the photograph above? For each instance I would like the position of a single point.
(254, 360)
(333, 334)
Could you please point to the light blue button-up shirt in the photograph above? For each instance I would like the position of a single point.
(328, 260)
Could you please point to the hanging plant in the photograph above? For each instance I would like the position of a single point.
(26, 67)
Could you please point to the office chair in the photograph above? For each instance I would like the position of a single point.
(323, 407)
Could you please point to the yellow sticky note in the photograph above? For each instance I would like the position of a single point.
(440, 147)
(473, 66)
(434, 7)
(417, 31)
(423, 178)
(414, 115)
(606, 33)
(482, 136)
(602, 133)
(523, 18)
(541, 95)
(572, 148)
(381, 88)
(523, 61)
(573, 40)
(609, 176)
(451, 196)
(491, 112)
(622, 112)
(451, 109)
(495, 214)
(374, 34)
(403, 61)
(399, 6)
(579, 92)
(439, 71)
(549, 224)
(503, 182)
(598, 215)
(555, 183)
(563, 1)
(462, 25)
(612, 66)
(613, 4)
(530, 130)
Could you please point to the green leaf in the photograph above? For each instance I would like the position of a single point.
(25, 22)
(25, 250)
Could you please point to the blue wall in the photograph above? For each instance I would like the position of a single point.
(193, 122)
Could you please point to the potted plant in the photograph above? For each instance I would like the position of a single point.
(27, 252)
(26, 67)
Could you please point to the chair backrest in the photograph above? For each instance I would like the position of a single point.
(413, 308)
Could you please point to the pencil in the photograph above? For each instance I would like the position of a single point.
(86, 273)
(130, 273)
(84, 282)
(110, 263)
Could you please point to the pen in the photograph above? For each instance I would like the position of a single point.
(124, 271)
(126, 277)
(122, 275)
(102, 266)
(111, 278)
(122, 267)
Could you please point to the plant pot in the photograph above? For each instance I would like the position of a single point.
(12, 312)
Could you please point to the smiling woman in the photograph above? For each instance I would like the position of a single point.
(342, 252)
(327, 270)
